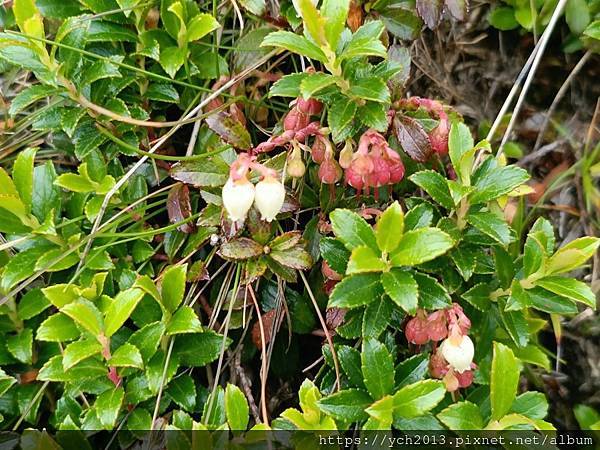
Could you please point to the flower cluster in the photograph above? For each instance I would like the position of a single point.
(239, 193)
(374, 163)
(452, 360)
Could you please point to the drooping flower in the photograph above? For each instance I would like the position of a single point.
(270, 194)
(458, 351)
(295, 166)
(238, 196)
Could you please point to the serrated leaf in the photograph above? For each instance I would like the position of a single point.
(340, 116)
(497, 182)
(127, 355)
(314, 83)
(184, 320)
(236, 408)
(288, 85)
(77, 351)
(418, 398)
(356, 290)
(492, 225)
(364, 259)
(377, 368)
(352, 230)
(569, 288)
(347, 405)
(295, 44)
(365, 41)
(172, 287)
(390, 228)
(435, 185)
(402, 288)
(462, 416)
(120, 309)
(504, 380)
(421, 245)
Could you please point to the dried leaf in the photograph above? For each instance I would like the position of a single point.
(412, 138)
(179, 207)
(267, 321)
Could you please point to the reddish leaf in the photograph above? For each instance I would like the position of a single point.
(230, 129)
(430, 11)
(179, 208)
(335, 317)
(267, 321)
(413, 138)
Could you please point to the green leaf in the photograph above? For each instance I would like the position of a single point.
(504, 380)
(21, 266)
(460, 141)
(374, 115)
(31, 304)
(147, 338)
(200, 26)
(288, 85)
(366, 42)
(402, 289)
(573, 255)
(364, 259)
(182, 390)
(503, 18)
(534, 255)
(356, 290)
(199, 349)
(21, 345)
(120, 309)
(46, 195)
(334, 252)
(108, 405)
(23, 175)
(85, 314)
(29, 96)
(569, 288)
(377, 368)
(370, 88)
(389, 228)
(377, 317)
(421, 245)
(127, 355)
(531, 404)
(462, 416)
(577, 15)
(6, 382)
(293, 258)
(352, 230)
(236, 408)
(497, 182)
(435, 185)
(593, 30)
(586, 416)
(348, 405)
(172, 58)
(412, 369)
(57, 328)
(314, 83)
(432, 295)
(77, 351)
(295, 44)
(349, 359)
(172, 287)
(184, 320)
(418, 398)
(335, 13)
(340, 116)
(549, 302)
(492, 225)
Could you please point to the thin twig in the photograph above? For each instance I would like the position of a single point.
(560, 94)
(325, 330)
(534, 65)
(263, 361)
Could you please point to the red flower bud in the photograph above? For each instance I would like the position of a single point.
(330, 171)
(465, 379)
(439, 138)
(438, 328)
(311, 107)
(416, 330)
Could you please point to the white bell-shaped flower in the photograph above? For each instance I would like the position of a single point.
(459, 352)
(270, 195)
(238, 197)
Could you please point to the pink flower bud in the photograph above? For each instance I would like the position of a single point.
(295, 120)
(311, 107)
(438, 366)
(318, 149)
(439, 138)
(330, 171)
(346, 155)
(438, 328)
(465, 379)
(416, 330)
